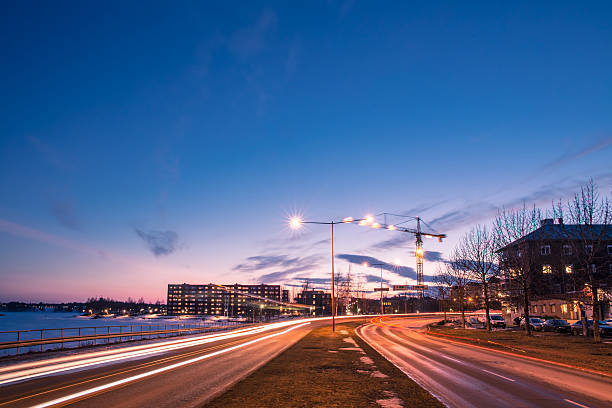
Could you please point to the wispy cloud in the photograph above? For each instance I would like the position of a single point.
(159, 242)
(401, 240)
(52, 155)
(404, 271)
(568, 157)
(64, 212)
(250, 40)
(279, 267)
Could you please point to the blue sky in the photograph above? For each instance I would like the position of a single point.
(147, 145)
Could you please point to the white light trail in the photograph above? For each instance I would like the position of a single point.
(159, 370)
(28, 371)
(88, 360)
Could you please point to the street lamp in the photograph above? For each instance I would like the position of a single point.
(296, 222)
(382, 308)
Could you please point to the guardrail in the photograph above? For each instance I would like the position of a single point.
(73, 337)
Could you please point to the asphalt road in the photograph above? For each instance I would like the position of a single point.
(464, 376)
(181, 372)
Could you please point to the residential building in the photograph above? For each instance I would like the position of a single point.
(318, 300)
(554, 258)
(222, 300)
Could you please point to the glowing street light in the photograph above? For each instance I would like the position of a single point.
(297, 222)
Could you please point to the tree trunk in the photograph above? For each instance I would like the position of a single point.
(596, 317)
(462, 308)
(444, 308)
(485, 287)
(526, 308)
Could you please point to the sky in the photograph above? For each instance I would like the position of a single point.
(169, 143)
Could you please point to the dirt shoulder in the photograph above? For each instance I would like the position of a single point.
(565, 349)
(327, 369)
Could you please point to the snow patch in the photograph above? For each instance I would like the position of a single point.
(392, 401)
(350, 340)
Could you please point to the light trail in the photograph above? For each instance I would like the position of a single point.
(159, 370)
(28, 371)
(118, 355)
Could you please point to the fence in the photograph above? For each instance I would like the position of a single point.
(38, 340)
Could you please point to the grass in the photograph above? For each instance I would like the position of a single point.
(309, 375)
(566, 349)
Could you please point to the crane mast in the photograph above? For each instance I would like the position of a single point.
(419, 261)
(419, 251)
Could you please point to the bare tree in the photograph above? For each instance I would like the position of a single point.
(588, 234)
(454, 276)
(516, 256)
(443, 290)
(476, 255)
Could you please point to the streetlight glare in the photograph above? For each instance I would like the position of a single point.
(391, 227)
(348, 219)
(365, 264)
(368, 219)
(375, 225)
(419, 252)
(295, 222)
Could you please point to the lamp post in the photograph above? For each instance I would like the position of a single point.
(296, 223)
(382, 308)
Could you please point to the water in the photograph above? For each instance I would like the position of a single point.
(71, 322)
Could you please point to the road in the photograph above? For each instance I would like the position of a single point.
(181, 372)
(464, 376)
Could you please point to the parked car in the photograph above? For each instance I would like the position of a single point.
(557, 325)
(474, 322)
(605, 330)
(535, 323)
(497, 321)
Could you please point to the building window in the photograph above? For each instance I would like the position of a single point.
(588, 249)
(568, 269)
(564, 308)
(553, 309)
(545, 250)
(567, 250)
(543, 308)
(546, 269)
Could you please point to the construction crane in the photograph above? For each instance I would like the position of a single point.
(419, 252)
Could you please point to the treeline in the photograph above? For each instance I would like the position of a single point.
(109, 305)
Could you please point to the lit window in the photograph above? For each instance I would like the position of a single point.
(568, 269)
(563, 308)
(553, 309)
(546, 269)
(545, 250)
